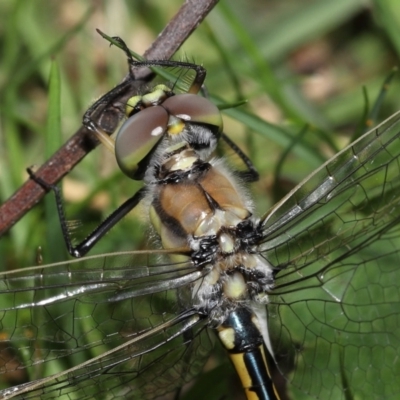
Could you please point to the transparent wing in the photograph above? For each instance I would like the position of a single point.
(129, 314)
(335, 242)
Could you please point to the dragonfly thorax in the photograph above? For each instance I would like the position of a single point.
(203, 208)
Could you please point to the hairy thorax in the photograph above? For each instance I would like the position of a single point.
(200, 206)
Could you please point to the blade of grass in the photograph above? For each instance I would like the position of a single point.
(388, 13)
(276, 133)
(54, 243)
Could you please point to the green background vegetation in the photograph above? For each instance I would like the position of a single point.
(302, 67)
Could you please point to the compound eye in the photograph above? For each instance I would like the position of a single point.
(138, 136)
(193, 108)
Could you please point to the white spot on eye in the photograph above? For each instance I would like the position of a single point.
(185, 117)
(157, 131)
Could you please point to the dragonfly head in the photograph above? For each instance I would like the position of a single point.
(161, 120)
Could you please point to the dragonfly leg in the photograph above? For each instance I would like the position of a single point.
(83, 247)
(251, 175)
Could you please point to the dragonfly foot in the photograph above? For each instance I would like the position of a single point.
(45, 185)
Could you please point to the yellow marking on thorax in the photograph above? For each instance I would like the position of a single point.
(235, 286)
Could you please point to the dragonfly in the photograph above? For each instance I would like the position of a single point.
(310, 288)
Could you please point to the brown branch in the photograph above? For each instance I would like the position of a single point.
(167, 43)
